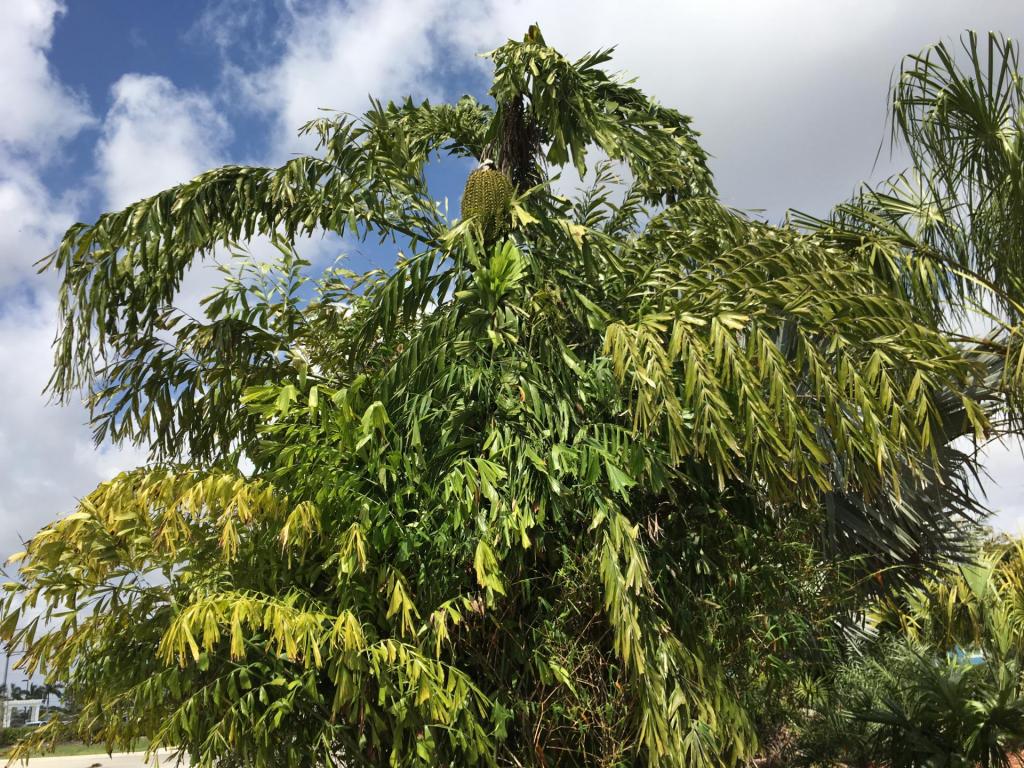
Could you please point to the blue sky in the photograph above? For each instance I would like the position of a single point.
(105, 101)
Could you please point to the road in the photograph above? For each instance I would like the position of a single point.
(123, 760)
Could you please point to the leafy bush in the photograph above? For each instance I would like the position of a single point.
(10, 736)
(911, 706)
(941, 683)
(829, 732)
(952, 711)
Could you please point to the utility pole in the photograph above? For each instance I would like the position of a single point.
(5, 712)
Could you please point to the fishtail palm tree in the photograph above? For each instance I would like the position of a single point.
(562, 496)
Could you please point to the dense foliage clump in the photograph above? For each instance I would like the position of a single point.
(937, 679)
(597, 493)
(11, 736)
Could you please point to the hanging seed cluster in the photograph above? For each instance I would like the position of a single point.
(486, 200)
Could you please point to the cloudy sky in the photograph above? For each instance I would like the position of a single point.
(105, 101)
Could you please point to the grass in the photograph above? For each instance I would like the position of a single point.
(72, 748)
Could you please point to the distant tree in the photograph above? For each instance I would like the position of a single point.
(49, 690)
(580, 483)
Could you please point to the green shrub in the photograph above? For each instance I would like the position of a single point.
(9, 736)
(941, 683)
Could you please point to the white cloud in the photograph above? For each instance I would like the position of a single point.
(39, 112)
(790, 95)
(31, 222)
(226, 23)
(155, 136)
(45, 451)
(1004, 487)
(337, 55)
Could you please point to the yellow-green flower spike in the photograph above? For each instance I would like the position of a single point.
(486, 200)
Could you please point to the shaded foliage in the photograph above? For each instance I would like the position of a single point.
(940, 680)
